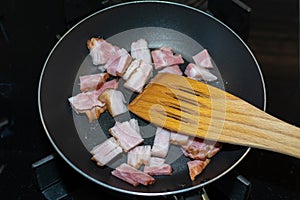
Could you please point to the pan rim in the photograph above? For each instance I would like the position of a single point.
(119, 189)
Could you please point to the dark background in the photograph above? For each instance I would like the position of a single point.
(29, 30)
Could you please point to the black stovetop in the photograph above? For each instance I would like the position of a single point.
(28, 32)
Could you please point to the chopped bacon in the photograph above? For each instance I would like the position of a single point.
(139, 155)
(94, 113)
(132, 175)
(100, 50)
(203, 59)
(158, 166)
(115, 101)
(118, 63)
(139, 77)
(131, 68)
(140, 50)
(196, 167)
(164, 57)
(178, 139)
(126, 135)
(199, 73)
(161, 143)
(200, 149)
(112, 84)
(92, 81)
(106, 151)
(174, 69)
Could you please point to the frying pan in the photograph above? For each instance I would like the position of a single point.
(187, 30)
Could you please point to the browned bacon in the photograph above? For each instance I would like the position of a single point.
(200, 149)
(118, 63)
(114, 100)
(199, 73)
(196, 167)
(92, 81)
(126, 135)
(132, 175)
(100, 50)
(164, 57)
(203, 59)
(161, 143)
(106, 151)
(140, 50)
(139, 155)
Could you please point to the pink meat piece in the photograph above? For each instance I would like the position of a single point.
(106, 151)
(139, 155)
(178, 139)
(85, 101)
(199, 73)
(203, 59)
(164, 57)
(112, 84)
(200, 149)
(196, 167)
(140, 50)
(118, 63)
(132, 175)
(158, 166)
(174, 69)
(100, 50)
(139, 77)
(126, 135)
(92, 81)
(114, 100)
(161, 143)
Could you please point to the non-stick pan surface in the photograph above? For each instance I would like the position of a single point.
(185, 29)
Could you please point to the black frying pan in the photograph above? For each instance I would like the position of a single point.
(185, 29)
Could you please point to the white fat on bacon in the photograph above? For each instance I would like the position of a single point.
(164, 57)
(132, 175)
(131, 68)
(203, 59)
(200, 149)
(106, 151)
(161, 143)
(158, 166)
(92, 81)
(114, 101)
(139, 77)
(139, 155)
(118, 63)
(196, 167)
(100, 50)
(127, 136)
(174, 69)
(140, 50)
(199, 73)
(178, 138)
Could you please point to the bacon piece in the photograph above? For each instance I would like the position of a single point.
(139, 77)
(199, 73)
(132, 175)
(196, 167)
(94, 113)
(174, 69)
(106, 151)
(164, 57)
(178, 139)
(126, 135)
(131, 68)
(118, 63)
(112, 84)
(92, 81)
(203, 59)
(200, 149)
(140, 50)
(158, 166)
(115, 101)
(100, 50)
(139, 155)
(161, 143)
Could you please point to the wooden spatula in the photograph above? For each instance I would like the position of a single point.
(197, 109)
